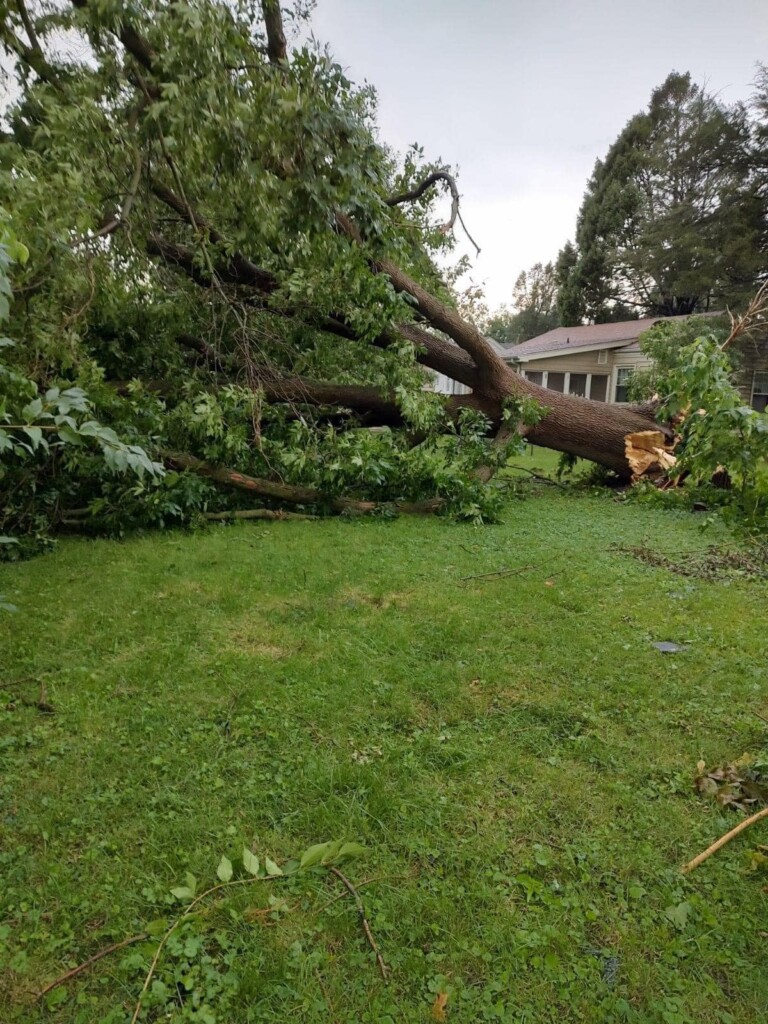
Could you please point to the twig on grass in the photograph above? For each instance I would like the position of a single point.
(539, 476)
(178, 921)
(761, 717)
(360, 885)
(88, 963)
(383, 969)
(723, 840)
(498, 573)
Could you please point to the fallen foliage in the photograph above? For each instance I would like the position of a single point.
(712, 564)
(742, 783)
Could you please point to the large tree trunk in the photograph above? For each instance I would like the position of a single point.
(578, 426)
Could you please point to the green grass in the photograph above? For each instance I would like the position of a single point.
(514, 754)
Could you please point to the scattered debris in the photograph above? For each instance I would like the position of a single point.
(611, 965)
(713, 564)
(667, 647)
(439, 1005)
(741, 784)
(496, 574)
(88, 963)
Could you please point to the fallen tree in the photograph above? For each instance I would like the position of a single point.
(219, 219)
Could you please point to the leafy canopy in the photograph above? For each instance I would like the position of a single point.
(672, 221)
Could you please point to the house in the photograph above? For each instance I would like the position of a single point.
(596, 361)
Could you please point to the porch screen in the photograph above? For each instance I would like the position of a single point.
(760, 391)
(599, 389)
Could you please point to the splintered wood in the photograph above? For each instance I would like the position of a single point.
(648, 454)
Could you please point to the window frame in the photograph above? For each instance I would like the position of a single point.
(618, 383)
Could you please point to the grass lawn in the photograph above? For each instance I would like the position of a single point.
(513, 753)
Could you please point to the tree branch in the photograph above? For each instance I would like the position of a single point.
(30, 28)
(416, 193)
(240, 270)
(119, 220)
(290, 493)
(445, 319)
(277, 49)
(136, 45)
(33, 57)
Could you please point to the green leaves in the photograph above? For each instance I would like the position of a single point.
(224, 870)
(326, 854)
(271, 868)
(314, 854)
(320, 855)
(678, 914)
(187, 891)
(250, 862)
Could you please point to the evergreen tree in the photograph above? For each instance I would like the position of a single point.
(672, 219)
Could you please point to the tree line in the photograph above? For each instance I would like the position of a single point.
(674, 219)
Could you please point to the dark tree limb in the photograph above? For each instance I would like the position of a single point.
(383, 969)
(32, 56)
(135, 44)
(419, 190)
(89, 963)
(291, 493)
(277, 48)
(272, 489)
(240, 269)
(445, 319)
(254, 513)
(416, 193)
(28, 26)
(119, 220)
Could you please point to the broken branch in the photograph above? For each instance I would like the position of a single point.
(419, 190)
(88, 963)
(383, 969)
(724, 839)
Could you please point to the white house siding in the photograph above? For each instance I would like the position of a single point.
(447, 386)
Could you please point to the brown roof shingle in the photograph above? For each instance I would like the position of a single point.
(586, 336)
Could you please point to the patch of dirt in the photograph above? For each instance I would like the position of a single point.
(251, 635)
(352, 597)
(251, 645)
(713, 564)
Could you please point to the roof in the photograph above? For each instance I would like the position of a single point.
(585, 338)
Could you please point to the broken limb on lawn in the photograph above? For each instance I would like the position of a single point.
(723, 840)
(383, 969)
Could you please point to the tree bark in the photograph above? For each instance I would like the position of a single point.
(290, 493)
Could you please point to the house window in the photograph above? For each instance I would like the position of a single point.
(599, 388)
(760, 391)
(534, 376)
(623, 375)
(578, 385)
(556, 381)
(602, 357)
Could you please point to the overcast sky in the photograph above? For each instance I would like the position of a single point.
(524, 96)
